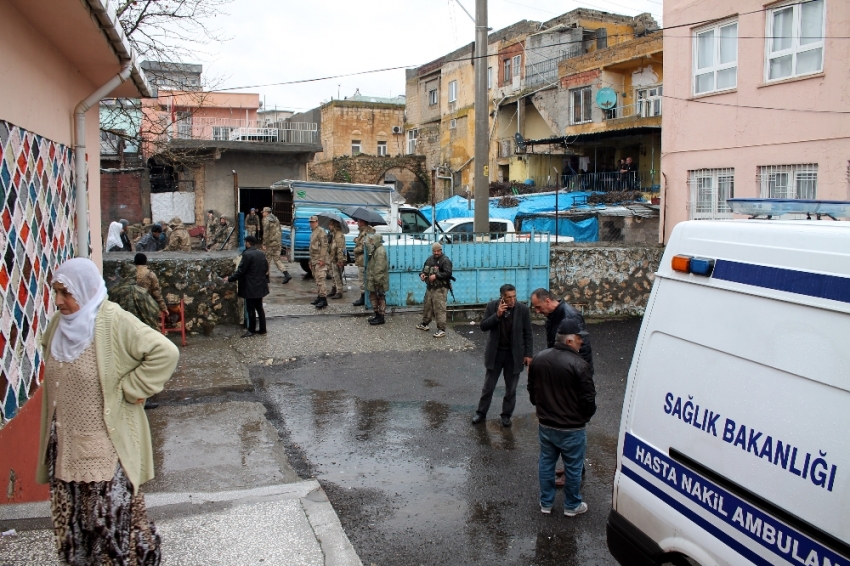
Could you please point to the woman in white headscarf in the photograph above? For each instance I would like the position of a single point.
(101, 363)
(113, 238)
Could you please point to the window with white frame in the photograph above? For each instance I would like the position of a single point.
(356, 147)
(580, 100)
(382, 148)
(709, 190)
(789, 181)
(453, 91)
(794, 40)
(432, 97)
(716, 58)
(221, 133)
(649, 101)
(517, 64)
(411, 141)
(507, 75)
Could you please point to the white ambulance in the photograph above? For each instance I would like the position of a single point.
(734, 443)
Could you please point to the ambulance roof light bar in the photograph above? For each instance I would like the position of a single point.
(771, 207)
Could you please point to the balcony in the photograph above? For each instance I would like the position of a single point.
(646, 112)
(248, 131)
(546, 72)
(611, 181)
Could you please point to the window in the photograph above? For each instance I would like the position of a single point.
(432, 97)
(221, 133)
(413, 222)
(649, 102)
(489, 78)
(452, 124)
(795, 40)
(382, 148)
(453, 91)
(517, 62)
(580, 99)
(356, 148)
(505, 148)
(411, 140)
(709, 190)
(507, 74)
(716, 58)
(789, 181)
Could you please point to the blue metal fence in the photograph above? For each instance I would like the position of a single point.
(481, 264)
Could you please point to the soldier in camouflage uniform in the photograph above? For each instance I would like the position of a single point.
(271, 243)
(437, 275)
(365, 230)
(377, 277)
(319, 261)
(136, 301)
(223, 236)
(209, 228)
(336, 244)
(252, 223)
(146, 279)
(179, 240)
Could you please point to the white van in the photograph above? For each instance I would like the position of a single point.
(734, 443)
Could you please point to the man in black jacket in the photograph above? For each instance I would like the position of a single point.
(253, 277)
(510, 341)
(560, 386)
(545, 303)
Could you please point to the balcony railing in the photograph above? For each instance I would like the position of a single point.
(611, 181)
(226, 129)
(648, 108)
(547, 71)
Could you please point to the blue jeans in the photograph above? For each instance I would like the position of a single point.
(569, 445)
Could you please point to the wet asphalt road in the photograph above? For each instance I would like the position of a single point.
(388, 436)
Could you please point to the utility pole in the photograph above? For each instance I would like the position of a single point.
(482, 113)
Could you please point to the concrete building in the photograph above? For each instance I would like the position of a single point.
(54, 55)
(756, 104)
(166, 75)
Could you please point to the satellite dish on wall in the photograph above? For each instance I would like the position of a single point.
(520, 141)
(606, 98)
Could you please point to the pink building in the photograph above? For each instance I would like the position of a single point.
(756, 104)
(57, 58)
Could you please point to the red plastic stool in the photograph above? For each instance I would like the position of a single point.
(181, 329)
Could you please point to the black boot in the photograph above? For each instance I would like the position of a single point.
(333, 291)
(361, 301)
(316, 301)
(286, 277)
(323, 302)
(377, 319)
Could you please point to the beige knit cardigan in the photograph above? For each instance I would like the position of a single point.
(133, 362)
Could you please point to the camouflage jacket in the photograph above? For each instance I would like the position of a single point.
(319, 245)
(336, 244)
(271, 232)
(358, 245)
(441, 267)
(252, 220)
(179, 240)
(221, 233)
(136, 301)
(377, 269)
(146, 279)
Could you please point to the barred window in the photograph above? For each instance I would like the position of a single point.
(709, 190)
(788, 181)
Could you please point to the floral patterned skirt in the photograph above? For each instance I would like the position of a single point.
(101, 523)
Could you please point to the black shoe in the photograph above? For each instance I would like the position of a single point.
(478, 418)
(323, 302)
(336, 296)
(377, 320)
(260, 332)
(506, 422)
(248, 334)
(150, 405)
(361, 301)
(316, 301)
(286, 277)
(333, 291)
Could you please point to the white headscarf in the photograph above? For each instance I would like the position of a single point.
(76, 331)
(114, 237)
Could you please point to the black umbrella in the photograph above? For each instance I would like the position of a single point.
(364, 214)
(326, 217)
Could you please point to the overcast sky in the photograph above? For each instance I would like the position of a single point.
(274, 41)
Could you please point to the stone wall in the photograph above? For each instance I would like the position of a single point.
(371, 170)
(193, 277)
(604, 279)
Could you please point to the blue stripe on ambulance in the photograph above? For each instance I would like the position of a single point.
(780, 539)
(817, 285)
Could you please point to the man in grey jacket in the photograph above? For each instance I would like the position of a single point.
(509, 348)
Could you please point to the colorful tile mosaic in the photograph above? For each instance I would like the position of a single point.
(36, 235)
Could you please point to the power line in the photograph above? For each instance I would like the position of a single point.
(712, 103)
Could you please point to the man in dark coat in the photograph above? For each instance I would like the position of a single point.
(509, 349)
(556, 310)
(151, 242)
(561, 388)
(253, 277)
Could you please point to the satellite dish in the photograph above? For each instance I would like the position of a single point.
(606, 98)
(520, 141)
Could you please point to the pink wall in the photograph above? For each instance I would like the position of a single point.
(717, 130)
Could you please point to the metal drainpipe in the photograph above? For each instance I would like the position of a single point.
(80, 155)
(450, 178)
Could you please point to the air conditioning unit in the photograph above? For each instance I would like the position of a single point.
(397, 130)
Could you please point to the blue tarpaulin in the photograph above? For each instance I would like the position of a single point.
(581, 230)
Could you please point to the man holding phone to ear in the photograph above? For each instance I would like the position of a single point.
(509, 349)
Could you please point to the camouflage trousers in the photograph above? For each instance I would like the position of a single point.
(319, 274)
(379, 302)
(336, 272)
(435, 306)
(137, 301)
(361, 274)
(251, 230)
(273, 257)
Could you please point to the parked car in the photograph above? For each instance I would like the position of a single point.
(501, 230)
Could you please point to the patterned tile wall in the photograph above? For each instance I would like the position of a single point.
(36, 235)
